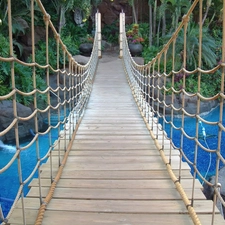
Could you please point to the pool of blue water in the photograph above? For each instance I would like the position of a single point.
(205, 160)
(10, 180)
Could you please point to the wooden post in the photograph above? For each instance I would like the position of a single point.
(121, 35)
(98, 19)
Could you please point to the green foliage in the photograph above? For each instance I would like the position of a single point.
(110, 32)
(210, 83)
(4, 66)
(144, 32)
(75, 32)
(149, 53)
(20, 12)
(4, 47)
(72, 47)
(23, 76)
(24, 82)
(40, 56)
(209, 47)
(211, 55)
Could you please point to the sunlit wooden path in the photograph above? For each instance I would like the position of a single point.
(114, 173)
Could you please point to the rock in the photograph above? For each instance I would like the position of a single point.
(139, 60)
(7, 116)
(190, 102)
(39, 34)
(83, 60)
(55, 99)
(110, 10)
(86, 49)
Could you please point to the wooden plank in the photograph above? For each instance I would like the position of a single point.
(114, 145)
(117, 184)
(69, 173)
(82, 218)
(97, 131)
(119, 206)
(112, 152)
(127, 159)
(109, 152)
(110, 137)
(115, 166)
(122, 194)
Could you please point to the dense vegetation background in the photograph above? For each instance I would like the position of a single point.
(155, 28)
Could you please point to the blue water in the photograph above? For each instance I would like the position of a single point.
(9, 179)
(205, 161)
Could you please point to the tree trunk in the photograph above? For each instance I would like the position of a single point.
(134, 12)
(150, 25)
(164, 24)
(154, 18)
(208, 4)
(158, 30)
(62, 19)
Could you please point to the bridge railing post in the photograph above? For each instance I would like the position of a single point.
(122, 21)
(99, 35)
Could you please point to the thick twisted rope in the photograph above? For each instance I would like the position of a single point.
(173, 177)
(49, 196)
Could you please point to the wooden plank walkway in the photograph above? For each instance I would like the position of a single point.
(114, 173)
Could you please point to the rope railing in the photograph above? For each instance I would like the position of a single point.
(164, 108)
(74, 84)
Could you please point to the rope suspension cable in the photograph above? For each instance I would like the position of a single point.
(70, 122)
(135, 85)
(84, 86)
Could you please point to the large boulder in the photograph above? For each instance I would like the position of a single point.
(110, 10)
(83, 60)
(190, 104)
(7, 117)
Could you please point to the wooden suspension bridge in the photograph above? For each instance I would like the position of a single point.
(114, 173)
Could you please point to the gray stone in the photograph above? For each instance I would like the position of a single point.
(7, 117)
(39, 33)
(190, 104)
(139, 60)
(53, 80)
(81, 59)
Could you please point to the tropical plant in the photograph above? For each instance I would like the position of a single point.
(133, 35)
(87, 39)
(4, 66)
(209, 47)
(110, 32)
(160, 22)
(149, 53)
(23, 76)
(62, 7)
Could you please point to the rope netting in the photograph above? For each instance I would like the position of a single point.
(74, 84)
(164, 106)
(154, 89)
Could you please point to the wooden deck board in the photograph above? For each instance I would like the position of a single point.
(82, 218)
(70, 173)
(120, 184)
(113, 194)
(114, 174)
